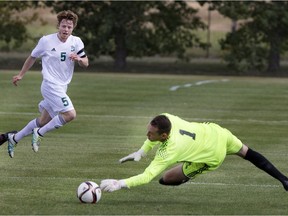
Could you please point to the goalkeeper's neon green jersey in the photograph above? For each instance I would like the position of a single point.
(188, 142)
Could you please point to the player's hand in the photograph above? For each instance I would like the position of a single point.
(74, 57)
(83, 62)
(110, 185)
(16, 78)
(135, 156)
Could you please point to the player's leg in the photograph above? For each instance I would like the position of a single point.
(35, 123)
(263, 163)
(14, 138)
(235, 146)
(69, 115)
(183, 173)
(57, 122)
(174, 176)
(43, 120)
(4, 137)
(58, 105)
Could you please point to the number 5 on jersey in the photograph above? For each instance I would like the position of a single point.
(63, 56)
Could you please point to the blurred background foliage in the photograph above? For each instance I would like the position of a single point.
(225, 37)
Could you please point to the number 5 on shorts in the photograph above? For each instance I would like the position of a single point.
(65, 101)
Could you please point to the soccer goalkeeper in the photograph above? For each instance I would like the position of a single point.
(198, 147)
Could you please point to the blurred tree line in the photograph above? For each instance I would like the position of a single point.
(148, 28)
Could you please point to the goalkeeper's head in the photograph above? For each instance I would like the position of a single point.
(159, 128)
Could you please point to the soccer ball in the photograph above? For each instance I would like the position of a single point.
(89, 192)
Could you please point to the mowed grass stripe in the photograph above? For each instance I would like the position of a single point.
(281, 122)
(112, 114)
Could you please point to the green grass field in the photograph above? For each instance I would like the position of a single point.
(113, 112)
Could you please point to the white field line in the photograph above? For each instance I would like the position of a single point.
(276, 122)
(202, 82)
(237, 185)
(186, 184)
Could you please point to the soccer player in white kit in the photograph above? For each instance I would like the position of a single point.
(59, 52)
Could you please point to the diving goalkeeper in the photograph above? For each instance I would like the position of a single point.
(196, 148)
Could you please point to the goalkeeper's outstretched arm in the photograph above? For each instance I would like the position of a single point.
(135, 156)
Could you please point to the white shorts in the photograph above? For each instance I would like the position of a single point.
(55, 99)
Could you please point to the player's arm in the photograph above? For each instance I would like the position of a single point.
(36, 52)
(26, 66)
(83, 62)
(142, 152)
(157, 166)
(80, 57)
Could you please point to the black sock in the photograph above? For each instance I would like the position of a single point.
(262, 163)
(3, 139)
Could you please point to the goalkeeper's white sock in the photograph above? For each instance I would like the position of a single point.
(55, 123)
(27, 130)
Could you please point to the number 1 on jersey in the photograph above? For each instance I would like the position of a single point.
(183, 132)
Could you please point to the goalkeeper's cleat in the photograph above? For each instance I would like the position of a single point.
(11, 144)
(36, 138)
(285, 184)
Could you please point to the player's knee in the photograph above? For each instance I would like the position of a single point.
(73, 116)
(163, 182)
(69, 116)
(172, 183)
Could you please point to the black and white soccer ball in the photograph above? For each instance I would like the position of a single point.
(89, 192)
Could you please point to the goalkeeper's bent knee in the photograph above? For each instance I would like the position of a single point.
(161, 181)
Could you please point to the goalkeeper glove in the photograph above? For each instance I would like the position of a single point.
(110, 185)
(135, 156)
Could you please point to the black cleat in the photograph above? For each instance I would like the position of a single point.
(285, 184)
(4, 137)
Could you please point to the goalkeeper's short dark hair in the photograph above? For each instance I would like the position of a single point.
(162, 123)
